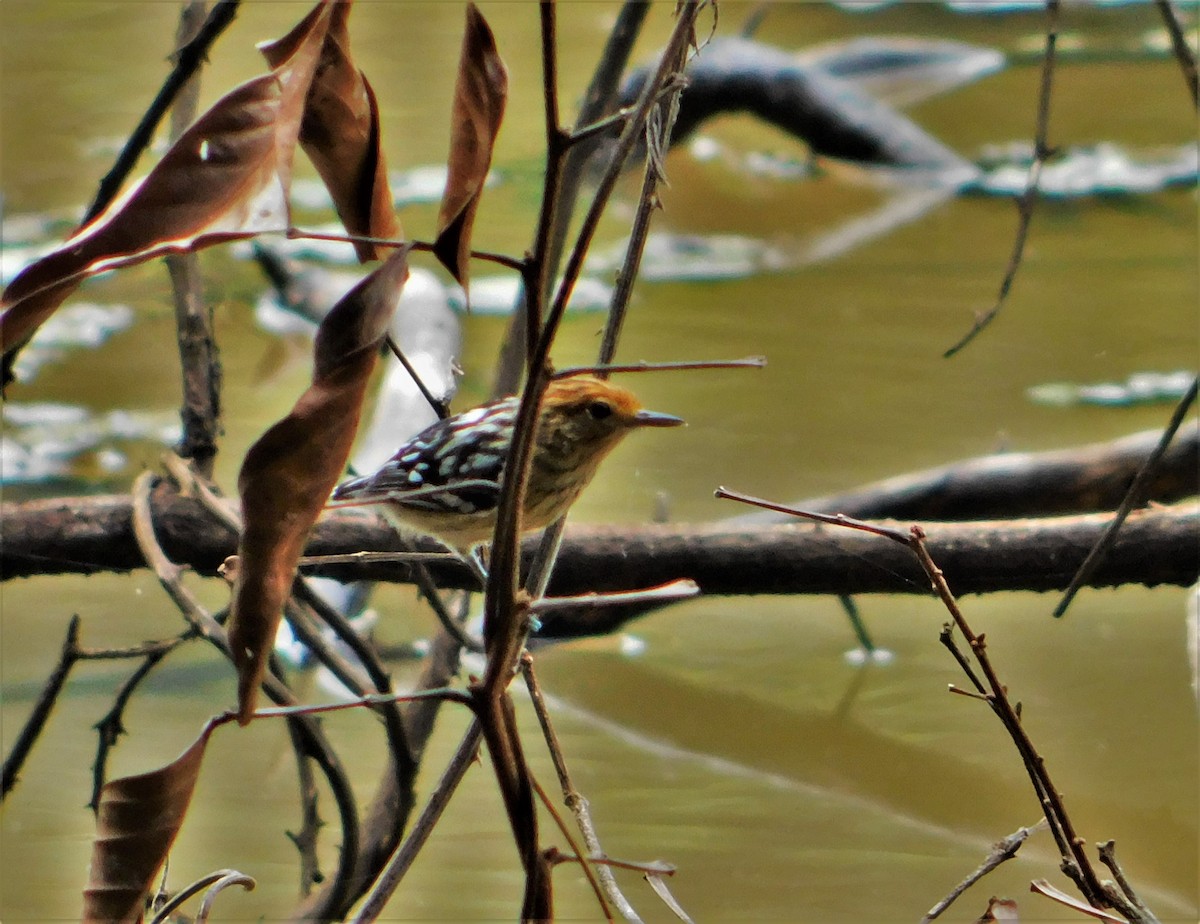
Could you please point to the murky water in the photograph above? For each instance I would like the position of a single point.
(739, 744)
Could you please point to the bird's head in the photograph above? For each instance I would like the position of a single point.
(582, 415)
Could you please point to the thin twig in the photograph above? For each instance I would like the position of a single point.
(658, 138)
(1134, 497)
(310, 820)
(1025, 205)
(1004, 849)
(1183, 51)
(162, 914)
(110, 728)
(400, 861)
(32, 729)
(199, 358)
(749, 362)
(571, 796)
(344, 237)
(1076, 863)
(602, 90)
(428, 590)
(364, 558)
(187, 60)
(577, 855)
(440, 406)
(316, 744)
(1108, 856)
(682, 589)
(231, 878)
(1070, 844)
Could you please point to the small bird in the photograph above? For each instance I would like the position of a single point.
(445, 481)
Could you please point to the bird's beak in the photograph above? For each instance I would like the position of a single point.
(654, 419)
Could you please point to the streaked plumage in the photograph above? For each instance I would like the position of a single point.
(445, 481)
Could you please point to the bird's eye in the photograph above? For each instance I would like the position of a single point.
(599, 410)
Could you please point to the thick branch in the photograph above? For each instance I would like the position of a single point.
(1157, 546)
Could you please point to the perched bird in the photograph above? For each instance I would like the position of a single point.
(445, 481)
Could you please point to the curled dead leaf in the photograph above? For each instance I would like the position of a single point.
(480, 94)
(227, 177)
(288, 473)
(137, 820)
(340, 133)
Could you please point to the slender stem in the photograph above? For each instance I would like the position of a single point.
(572, 797)
(41, 710)
(1025, 205)
(750, 362)
(1002, 850)
(398, 865)
(315, 742)
(187, 61)
(439, 405)
(199, 356)
(1134, 497)
(1183, 51)
(1002, 706)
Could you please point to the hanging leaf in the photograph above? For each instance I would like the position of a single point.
(479, 97)
(227, 177)
(136, 822)
(287, 475)
(340, 134)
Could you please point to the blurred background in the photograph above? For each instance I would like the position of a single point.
(730, 737)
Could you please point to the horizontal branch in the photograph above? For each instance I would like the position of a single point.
(1157, 546)
(1007, 485)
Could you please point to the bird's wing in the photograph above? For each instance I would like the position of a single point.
(453, 466)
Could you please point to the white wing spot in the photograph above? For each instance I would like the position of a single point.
(415, 478)
(473, 416)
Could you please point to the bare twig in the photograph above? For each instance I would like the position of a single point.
(573, 799)
(1075, 862)
(1004, 849)
(553, 856)
(439, 405)
(163, 913)
(600, 93)
(310, 820)
(111, 727)
(187, 60)
(400, 861)
(199, 358)
(1108, 856)
(1134, 497)
(231, 878)
(606, 368)
(1183, 51)
(41, 710)
(315, 743)
(1028, 200)
(658, 138)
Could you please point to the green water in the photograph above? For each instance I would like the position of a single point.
(740, 746)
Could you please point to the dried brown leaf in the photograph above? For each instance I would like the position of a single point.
(1044, 887)
(287, 475)
(227, 177)
(136, 822)
(479, 97)
(340, 134)
(659, 885)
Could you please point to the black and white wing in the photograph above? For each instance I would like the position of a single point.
(453, 466)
